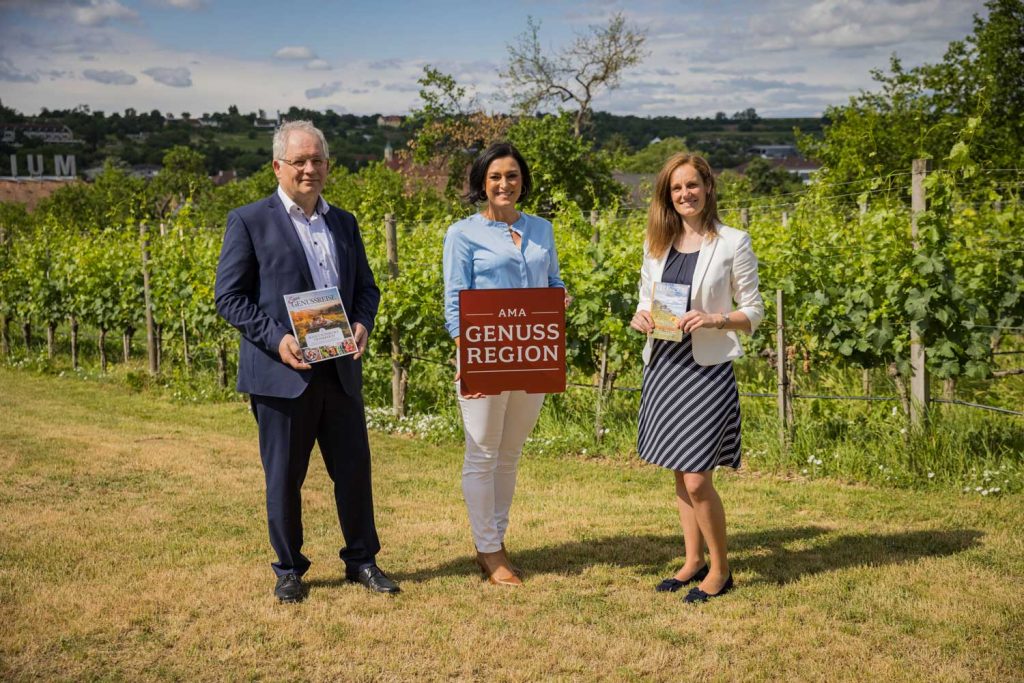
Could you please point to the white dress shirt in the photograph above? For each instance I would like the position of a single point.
(316, 238)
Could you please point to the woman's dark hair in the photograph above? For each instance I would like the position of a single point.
(478, 171)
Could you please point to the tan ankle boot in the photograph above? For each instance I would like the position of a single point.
(515, 570)
(495, 566)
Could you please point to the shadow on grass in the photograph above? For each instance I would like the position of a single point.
(777, 556)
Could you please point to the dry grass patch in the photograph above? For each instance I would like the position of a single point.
(134, 548)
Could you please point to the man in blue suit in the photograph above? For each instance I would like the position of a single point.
(294, 241)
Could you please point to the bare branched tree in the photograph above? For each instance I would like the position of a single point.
(576, 73)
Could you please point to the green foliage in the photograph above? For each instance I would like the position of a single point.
(603, 277)
(651, 158)
(183, 180)
(766, 180)
(565, 169)
(921, 112)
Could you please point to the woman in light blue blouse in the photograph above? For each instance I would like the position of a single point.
(500, 247)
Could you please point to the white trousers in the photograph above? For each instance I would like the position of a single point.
(496, 428)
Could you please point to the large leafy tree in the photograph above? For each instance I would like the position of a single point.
(452, 125)
(564, 168)
(182, 180)
(922, 112)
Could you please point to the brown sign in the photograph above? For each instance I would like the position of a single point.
(512, 339)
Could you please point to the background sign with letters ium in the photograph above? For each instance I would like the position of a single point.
(512, 339)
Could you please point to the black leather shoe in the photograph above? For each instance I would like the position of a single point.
(289, 588)
(697, 595)
(672, 584)
(374, 579)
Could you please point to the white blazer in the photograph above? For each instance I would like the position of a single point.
(726, 271)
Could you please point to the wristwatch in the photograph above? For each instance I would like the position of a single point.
(725, 319)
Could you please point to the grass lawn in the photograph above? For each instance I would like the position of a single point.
(134, 547)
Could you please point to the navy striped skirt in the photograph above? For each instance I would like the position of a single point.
(689, 413)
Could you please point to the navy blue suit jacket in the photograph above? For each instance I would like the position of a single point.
(261, 261)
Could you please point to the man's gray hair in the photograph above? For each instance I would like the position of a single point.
(285, 129)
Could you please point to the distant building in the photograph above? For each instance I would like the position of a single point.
(224, 177)
(796, 165)
(145, 171)
(259, 122)
(49, 133)
(389, 121)
(639, 187)
(433, 175)
(209, 123)
(774, 151)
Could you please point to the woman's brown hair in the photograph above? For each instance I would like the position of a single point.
(664, 224)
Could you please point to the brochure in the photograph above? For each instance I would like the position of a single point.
(320, 324)
(667, 307)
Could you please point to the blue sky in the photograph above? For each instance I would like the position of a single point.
(782, 57)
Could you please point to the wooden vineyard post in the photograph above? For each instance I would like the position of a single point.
(5, 322)
(865, 374)
(602, 376)
(148, 301)
(399, 374)
(784, 398)
(919, 389)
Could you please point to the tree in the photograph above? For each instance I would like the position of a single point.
(182, 179)
(922, 112)
(768, 180)
(452, 125)
(748, 114)
(565, 169)
(576, 73)
(651, 158)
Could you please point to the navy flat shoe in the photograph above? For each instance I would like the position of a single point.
(671, 585)
(697, 595)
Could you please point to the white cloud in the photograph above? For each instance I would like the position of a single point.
(855, 24)
(184, 4)
(11, 74)
(295, 52)
(325, 90)
(705, 62)
(54, 74)
(118, 77)
(100, 12)
(176, 77)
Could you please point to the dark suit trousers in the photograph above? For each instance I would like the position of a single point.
(288, 428)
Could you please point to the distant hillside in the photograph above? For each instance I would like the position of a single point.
(725, 140)
(242, 142)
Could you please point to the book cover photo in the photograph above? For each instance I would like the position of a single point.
(669, 303)
(320, 324)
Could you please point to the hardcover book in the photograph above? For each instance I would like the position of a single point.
(320, 324)
(669, 303)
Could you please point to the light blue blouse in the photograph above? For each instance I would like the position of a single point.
(479, 254)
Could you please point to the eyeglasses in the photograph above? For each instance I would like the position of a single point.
(299, 164)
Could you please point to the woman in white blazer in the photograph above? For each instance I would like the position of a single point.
(689, 407)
